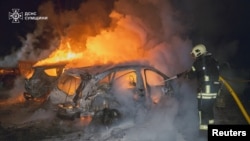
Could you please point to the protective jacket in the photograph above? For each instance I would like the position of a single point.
(206, 70)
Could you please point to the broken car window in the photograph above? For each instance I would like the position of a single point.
(126, 78)
(68, 83)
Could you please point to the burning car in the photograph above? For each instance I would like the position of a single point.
(101, 91)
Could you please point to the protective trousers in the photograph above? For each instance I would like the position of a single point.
(206, 113)
(206, 97)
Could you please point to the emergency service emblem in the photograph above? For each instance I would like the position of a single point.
(15, 16)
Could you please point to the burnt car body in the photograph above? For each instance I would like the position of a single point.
(42, 80)
(88, 91)
(7, 77)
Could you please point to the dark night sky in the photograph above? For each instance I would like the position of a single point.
(227, 21)
(215, 23)
(10, 33)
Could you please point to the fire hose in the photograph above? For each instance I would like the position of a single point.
(234, 95)
(237, 100)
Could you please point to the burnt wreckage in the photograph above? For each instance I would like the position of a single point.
(42, 80)
(102, 92)
(7, 77)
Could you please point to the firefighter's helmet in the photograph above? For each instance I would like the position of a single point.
(198, 50)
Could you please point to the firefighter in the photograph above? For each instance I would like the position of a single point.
(205, 70)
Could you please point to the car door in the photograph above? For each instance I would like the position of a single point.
(154, 85)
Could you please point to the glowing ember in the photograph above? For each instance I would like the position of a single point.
(155, 99)
(15, 100)
(85, 120)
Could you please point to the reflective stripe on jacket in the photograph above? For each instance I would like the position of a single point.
(207, 95)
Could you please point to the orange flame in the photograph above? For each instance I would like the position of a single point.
(61, 55)
(119, 44)
(110, 47)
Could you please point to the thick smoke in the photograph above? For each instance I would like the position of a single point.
(154, 22)
(161, 35)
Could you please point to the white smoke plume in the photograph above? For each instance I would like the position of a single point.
(154, 22)
(161, 35)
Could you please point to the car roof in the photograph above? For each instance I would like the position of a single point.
(97, 69)
(49, 66)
